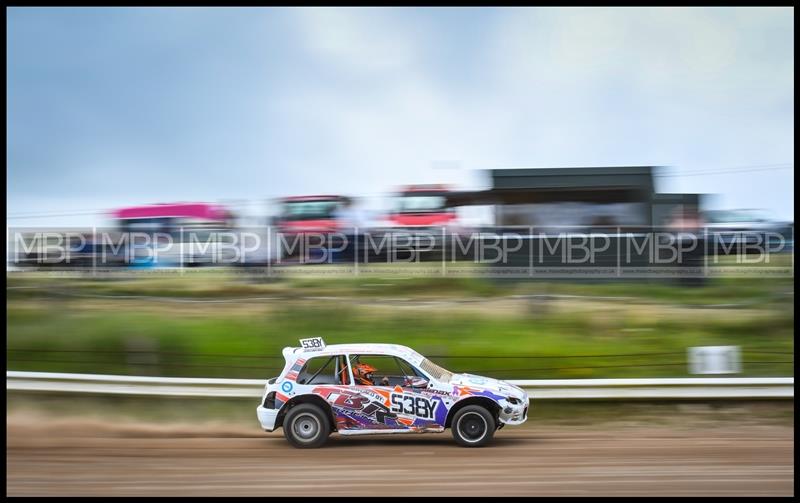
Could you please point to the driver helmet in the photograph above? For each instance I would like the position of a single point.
(362, 373)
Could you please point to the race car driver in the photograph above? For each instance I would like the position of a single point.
(363, 374)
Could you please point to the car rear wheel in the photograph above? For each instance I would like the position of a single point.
(306, 426)
(473, 426)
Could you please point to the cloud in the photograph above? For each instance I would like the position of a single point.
(357, 40)
(396, 118)
(268, 102)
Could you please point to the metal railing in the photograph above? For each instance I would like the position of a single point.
(576, 389)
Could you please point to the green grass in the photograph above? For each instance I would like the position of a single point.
(84, 334)
(70, 329)
(211, 283)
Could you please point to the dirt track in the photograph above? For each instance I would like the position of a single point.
(87, 458)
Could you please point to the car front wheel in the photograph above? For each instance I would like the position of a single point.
(306, 426)
(473, 426)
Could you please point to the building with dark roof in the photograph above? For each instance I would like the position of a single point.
(609, 196)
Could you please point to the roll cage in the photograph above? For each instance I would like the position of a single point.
(343, 367)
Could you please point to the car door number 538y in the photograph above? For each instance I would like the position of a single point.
(411, 405)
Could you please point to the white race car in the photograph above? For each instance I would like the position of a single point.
(382, 388)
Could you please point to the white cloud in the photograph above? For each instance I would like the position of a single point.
(398, 119)
(359, 40)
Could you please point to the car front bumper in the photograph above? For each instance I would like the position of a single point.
(515, 414)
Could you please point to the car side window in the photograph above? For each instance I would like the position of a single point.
(325, 370)
(382, 370)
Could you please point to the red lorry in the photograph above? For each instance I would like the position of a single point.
(420, 206)
(306, 224)
(309, 213)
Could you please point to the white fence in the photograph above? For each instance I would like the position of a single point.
(579, 389)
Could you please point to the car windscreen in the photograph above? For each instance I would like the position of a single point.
(420, 204)
(309, 210)
(437, 372)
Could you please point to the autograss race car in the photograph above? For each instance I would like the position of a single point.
(357, 389)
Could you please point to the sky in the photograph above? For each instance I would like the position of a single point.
(108, 107)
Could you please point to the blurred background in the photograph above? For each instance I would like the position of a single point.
(527, 194)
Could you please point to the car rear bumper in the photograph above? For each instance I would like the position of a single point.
(267, 418)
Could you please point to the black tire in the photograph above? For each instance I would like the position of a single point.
(473, 426)
(306, 426)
